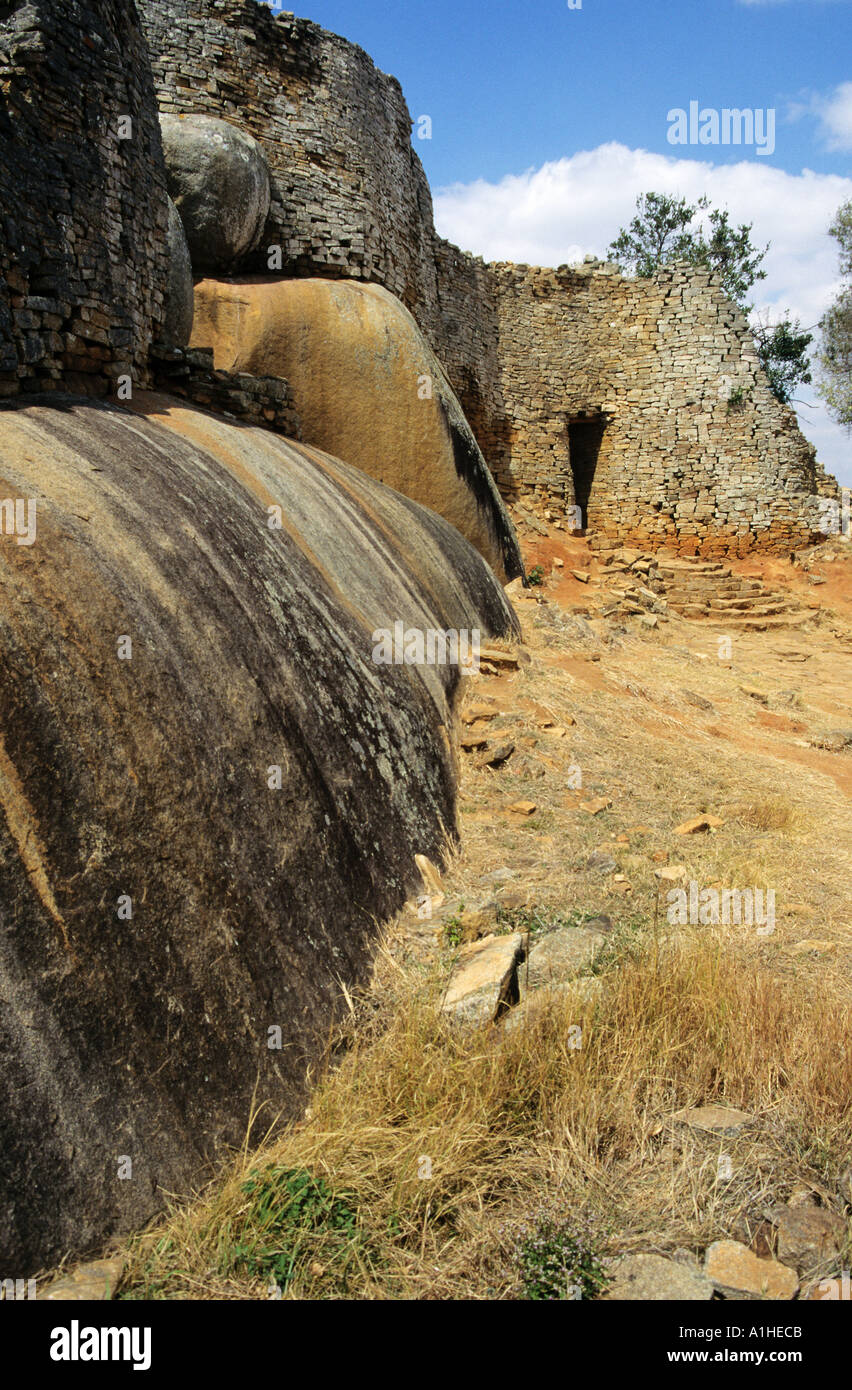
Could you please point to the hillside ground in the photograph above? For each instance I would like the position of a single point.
(431, 1159)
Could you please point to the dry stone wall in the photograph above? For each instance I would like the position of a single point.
(645, 395)
(349, 195)
(265, 401)
(660, 380)
(83, 211)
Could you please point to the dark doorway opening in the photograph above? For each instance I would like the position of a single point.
(584, 443)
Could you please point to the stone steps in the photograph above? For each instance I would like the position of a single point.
(688, 591)
(757, 610)
(767, 624)
(731, 605)
(737, 600)
(690, 571)
(709, 591)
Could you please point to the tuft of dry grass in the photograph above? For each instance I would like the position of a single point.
(438, 1146)
(441, 1142)
(767, 813)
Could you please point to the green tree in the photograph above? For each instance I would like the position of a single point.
(669, 229)
(835, 358)
(782, 350)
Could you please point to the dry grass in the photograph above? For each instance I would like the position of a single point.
(686, 1017)
(767, 813)
(505, 1119)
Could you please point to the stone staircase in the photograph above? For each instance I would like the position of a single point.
(709, 590)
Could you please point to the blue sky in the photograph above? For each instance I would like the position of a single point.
(511, 84)
(548, 120)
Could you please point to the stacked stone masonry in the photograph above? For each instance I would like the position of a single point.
(83, 209)
(692, 450)
(256, 400)
(641, 401)
(349, 195)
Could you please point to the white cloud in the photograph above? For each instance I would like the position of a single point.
(835, 113)
(574, 206)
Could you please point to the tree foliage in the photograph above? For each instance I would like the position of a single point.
(782, 350)
(669, 229)
(835, 358)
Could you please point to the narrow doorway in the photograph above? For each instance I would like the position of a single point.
(584, 442)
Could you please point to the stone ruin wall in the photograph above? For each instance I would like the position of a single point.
(83, 251)
(349, 195)
(527, 350)
(696, 454)
(83, 213)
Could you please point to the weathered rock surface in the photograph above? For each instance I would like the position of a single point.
(714, 1118)
(737, 1272)
(88, 1283)
(580, 992)
(809, 1235)
(652, 1278)
(484, 981)
(180, 296)
(561, 954)
(218, 179)
(174, 924)
(368, 389)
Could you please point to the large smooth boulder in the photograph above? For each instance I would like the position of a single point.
(209, 793)
(179, 299)
(219, 181)
(368, 389)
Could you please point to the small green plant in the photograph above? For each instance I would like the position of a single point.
(559, 1259)
(289, 1208)
(453, 927)
(536, 575)
(537, 922)
(737, 399)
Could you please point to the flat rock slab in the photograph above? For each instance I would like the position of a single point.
(561, 954)
(494, 757)
(714, 1118)
(673, 873)
(809, 1235)
(475, 711)
(737, 1272)
(484, 980)
(698, 825)
(91, 1283)
(654, 1279)
(495, 656)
